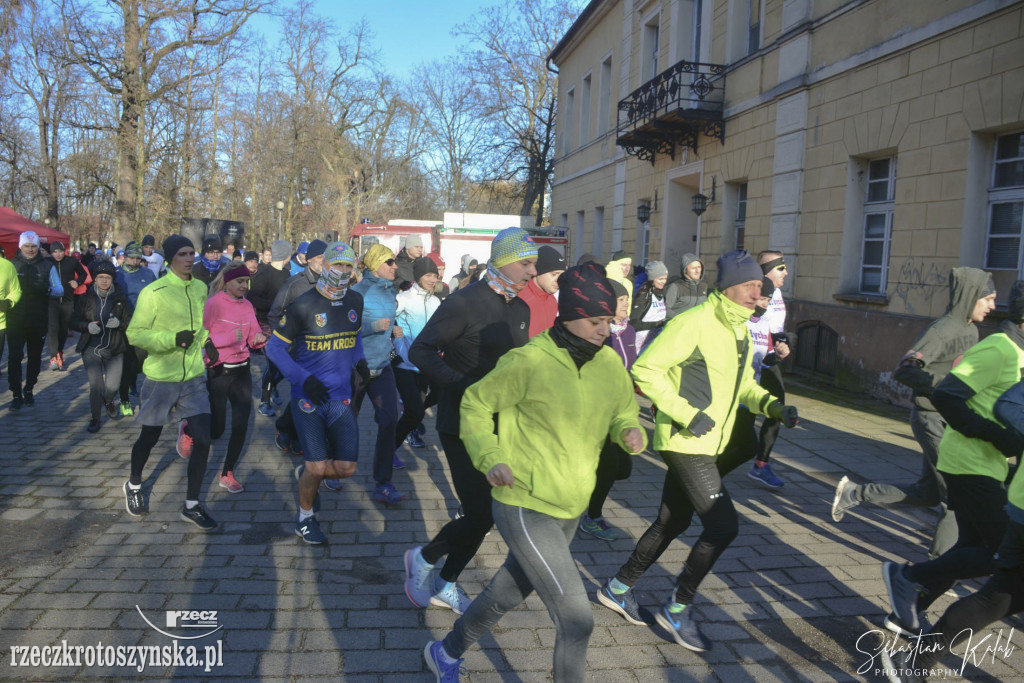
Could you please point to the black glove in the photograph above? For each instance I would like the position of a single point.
(184, 338)
(363, 370)
(212, 354)
(5, 305)
(315, 390)
(701, 424)
(1008, 443)
(783, 413)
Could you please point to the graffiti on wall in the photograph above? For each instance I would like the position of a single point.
(919, 281)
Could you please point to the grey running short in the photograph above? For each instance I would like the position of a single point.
(167, 402)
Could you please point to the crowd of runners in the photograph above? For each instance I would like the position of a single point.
(534, 367)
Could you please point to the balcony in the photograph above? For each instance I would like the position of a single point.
(673, 108)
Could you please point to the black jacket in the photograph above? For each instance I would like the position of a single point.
(404, 276)
(69, 269)
(90, 308)
(32, 312)
(641, 304)
(473, 328)
(263, 289)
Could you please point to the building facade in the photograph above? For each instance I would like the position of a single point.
(877, 143)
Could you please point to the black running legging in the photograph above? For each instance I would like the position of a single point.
(693, 483)
(129, 372)
(199, 430)
(234, 385)
(771, 379)
(1001, 596)
(271, 377)
(614, 464)
(978, 503)
(461, 538)
(412, 387)
(57, 328)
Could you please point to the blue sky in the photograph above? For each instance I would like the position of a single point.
(406, 31)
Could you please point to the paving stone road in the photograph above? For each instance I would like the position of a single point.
(794, 598)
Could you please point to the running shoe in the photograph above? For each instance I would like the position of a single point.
(765, 476)
(184, 443)
(94, 426)
(331, 484)
(682, 627)
(283, 441)
(452, 596)
(597, 527)
(397, 463)
(386, 493)
(414, 440)
(309, 531)
(17, 402)
(419, 577)
(126, 409)
(845, 498)
(445, 671)
(893, 623)
(199, 517)
(113, 411)
(266, 409)
(903, 594)
(53, 364)
(228, 481)
(30, 400)
(623, 603)
(134, 501)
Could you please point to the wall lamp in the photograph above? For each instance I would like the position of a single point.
(700, 201)
(643, 212)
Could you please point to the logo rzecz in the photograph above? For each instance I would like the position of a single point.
(320, 319)
(352, 317)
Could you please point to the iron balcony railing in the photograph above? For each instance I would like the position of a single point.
(674, 107)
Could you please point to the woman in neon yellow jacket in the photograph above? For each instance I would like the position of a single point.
(556, 398)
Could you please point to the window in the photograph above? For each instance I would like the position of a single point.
(604, 101)
(570, 117)
(1006, 212)
(741, 215)
(650, 48)
(598, 249)
(585, 110)
(754, 26)
(878, 211)
(580, 227)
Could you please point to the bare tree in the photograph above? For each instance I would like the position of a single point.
(127, 57)
(508, 59)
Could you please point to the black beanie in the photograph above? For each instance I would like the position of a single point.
(767, 287)
(618, 289)
(737, 267)
(548, 259)
(585, 292)
(174, 243)
(212, 243)
(251, 256)
(1016, 305)
(149, 241)
(422, 266)
(316, 248)
(103, 267)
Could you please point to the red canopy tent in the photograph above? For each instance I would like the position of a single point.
(13, 224)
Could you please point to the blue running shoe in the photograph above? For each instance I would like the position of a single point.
(266, 409)
(438, 662)
(683, 628)
(452, 596)
(331, 484)
(309, 531)
(623, 603)
(386, 493)
(765, 476)
(414, 440)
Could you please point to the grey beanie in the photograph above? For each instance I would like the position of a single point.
(280, 250)
(737, 267)
(656, 269)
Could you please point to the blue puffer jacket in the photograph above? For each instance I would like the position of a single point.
(378, 302)
(132, 283)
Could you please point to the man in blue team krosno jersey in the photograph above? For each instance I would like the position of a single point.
(316, 345)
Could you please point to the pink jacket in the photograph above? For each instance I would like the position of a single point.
(223, 317)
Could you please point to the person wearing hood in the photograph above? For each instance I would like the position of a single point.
(299, 258)
(540, 293)
(210, 261)
(415, 307)
(379, 306)
(412, 250)
(620, 269)
(689, 290)
(231, 322)
(71, 274)
(697, 372)
(648, 314)
(466, 266)
(28, 319)
(934, 353)
(131, 277)
(102, 315)
(558, 398)
(973, 463)
(287, 439)
(317, 345)
(461, 343)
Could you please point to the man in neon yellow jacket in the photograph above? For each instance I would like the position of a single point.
(168, 324)
(10, 293)
(697, 372)
(557, 399)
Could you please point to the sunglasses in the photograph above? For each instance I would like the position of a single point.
(782, 267)
(390, 262)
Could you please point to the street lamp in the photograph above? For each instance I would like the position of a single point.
(280, 210)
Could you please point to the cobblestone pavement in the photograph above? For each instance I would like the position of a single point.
(793, 598)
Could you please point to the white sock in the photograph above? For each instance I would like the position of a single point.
(304, 514)
(134, 487)
(189, 504)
